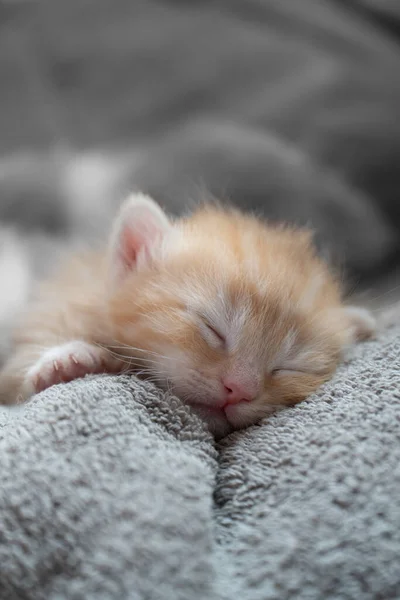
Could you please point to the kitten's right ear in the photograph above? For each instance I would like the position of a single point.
(138, 229)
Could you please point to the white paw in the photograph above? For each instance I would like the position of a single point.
(362, 322)
(65, 363)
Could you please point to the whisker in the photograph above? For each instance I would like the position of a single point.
(128, 357)
(151, 352)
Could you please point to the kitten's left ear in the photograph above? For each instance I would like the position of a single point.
(361, 324)
(139, 228)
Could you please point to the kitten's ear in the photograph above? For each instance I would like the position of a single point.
(139, 227)
(361, 323)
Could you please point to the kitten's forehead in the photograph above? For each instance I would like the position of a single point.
(220, 248)
(242, 314)
(196, 247)
(252, 282)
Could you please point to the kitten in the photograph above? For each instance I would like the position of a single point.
(233, 315)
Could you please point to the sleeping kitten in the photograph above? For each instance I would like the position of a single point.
(233, 315)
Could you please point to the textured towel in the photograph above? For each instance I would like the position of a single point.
(112, 489)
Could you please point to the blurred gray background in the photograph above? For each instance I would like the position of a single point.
(287, 107)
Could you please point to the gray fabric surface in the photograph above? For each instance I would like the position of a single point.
(111, 489)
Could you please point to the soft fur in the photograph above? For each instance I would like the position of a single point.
(233, 315)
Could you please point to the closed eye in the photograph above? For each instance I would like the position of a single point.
(215, 332)
(283, 372)
(288, 372)
(211, 334)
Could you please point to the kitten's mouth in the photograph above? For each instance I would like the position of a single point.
(215, 418)
(208, 408)
(225, 414)
(208, 411)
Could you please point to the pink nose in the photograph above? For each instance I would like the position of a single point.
(236, 392)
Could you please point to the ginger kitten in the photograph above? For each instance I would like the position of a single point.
(231, 314)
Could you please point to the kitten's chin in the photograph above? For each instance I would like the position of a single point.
(221, 422)
(216, 420)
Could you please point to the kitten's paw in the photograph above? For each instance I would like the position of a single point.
(362, 323)
(65, 363)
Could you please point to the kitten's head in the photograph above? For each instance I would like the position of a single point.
(235, 316)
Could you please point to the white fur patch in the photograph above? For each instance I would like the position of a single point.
(72, 359)
(59, 352)
(362, 322)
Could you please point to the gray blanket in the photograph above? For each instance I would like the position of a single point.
(114, 490)
(285, 106)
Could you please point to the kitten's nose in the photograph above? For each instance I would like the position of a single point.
(236, 392)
